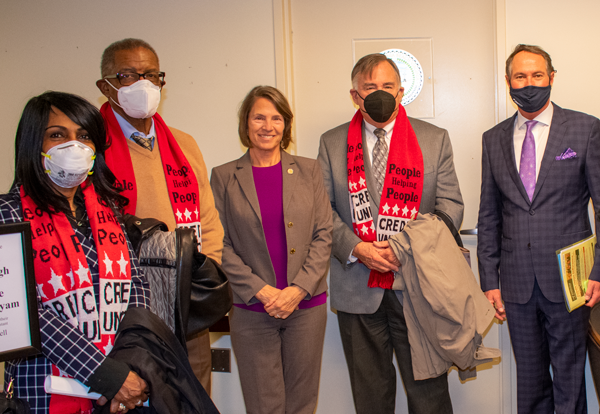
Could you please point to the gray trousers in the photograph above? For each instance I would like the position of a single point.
(279, 360)
(369, 342)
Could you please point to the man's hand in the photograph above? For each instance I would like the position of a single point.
(133, 392)
(287, 302)
(592, 294)
(371, 257)
(496, 301)
(385, 251)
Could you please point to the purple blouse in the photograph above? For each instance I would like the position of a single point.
(268, 182)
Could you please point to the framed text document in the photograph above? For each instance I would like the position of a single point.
(19, 323)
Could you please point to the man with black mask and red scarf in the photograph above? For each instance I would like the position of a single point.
(160, 168)
(539, 169)
(380, 169)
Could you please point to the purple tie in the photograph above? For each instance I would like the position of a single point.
(527, 166)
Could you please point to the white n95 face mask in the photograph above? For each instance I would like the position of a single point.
(69, 164)
(139, 100)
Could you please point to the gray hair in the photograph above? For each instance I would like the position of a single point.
(107, 65)
(367, 63)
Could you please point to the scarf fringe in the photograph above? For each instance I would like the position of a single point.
(381, 280)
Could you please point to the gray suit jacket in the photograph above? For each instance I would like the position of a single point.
(517, 238)
(308, 227)
(349, 282)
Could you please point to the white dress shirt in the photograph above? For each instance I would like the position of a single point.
(372, 139)
(129, 130)
(540, 134)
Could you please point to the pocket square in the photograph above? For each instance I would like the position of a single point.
(568, 153)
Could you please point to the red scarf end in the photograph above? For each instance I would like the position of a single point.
(381, 280)
(64, 404)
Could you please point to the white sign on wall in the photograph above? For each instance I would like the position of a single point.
(411, 73)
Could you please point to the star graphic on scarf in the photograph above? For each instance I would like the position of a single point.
(70, 275)
(56, 282)
(396, 209)
(405, 211)
(122, 265)
(108, 347)
(362, 182)
(364, 229)
(179, 215)
(196, 212)
(386, 208)
(187, 214)
(352, 186)
(108, 263)
(82, 274)
(373, 226)
(41, 291)
(413, 213)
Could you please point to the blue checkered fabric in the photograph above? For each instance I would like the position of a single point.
(62, 344)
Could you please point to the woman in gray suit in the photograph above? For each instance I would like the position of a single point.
(278, 229)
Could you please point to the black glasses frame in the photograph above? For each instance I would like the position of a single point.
(117, 76)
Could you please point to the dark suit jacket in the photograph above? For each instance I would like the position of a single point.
(307, 226)
(518, 239)
(349, 283)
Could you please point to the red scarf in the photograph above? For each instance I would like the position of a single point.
(64, 281)
(179, 175)
(402, 188)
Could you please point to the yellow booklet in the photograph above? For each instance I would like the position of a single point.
(575, 263)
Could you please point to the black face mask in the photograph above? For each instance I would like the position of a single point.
(380, 105)
(531, 98)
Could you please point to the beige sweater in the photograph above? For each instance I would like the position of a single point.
(153, 197)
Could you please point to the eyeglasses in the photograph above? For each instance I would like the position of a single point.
(129, 78)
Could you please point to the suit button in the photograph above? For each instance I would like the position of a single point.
(532, 212)
(292, 251)
(529, 246)
(290, 224)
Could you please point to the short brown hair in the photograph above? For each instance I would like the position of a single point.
(281, 104)
(531, 49)
(107, 65)
(367, 63)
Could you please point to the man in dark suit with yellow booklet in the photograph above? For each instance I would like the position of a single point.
(540, 168)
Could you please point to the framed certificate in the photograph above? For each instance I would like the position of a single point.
(19, 322)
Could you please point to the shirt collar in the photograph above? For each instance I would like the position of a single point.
(544, 118)
(388, 129)
(129, 130)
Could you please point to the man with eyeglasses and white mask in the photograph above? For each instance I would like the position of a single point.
(160, 169)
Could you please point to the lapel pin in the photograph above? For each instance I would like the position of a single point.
(290, 171)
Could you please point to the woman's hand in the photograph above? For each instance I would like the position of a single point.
(133, 392)
(268, 295)
(287, 302)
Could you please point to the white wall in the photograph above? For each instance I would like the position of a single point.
(568, 31)
(212, 52)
